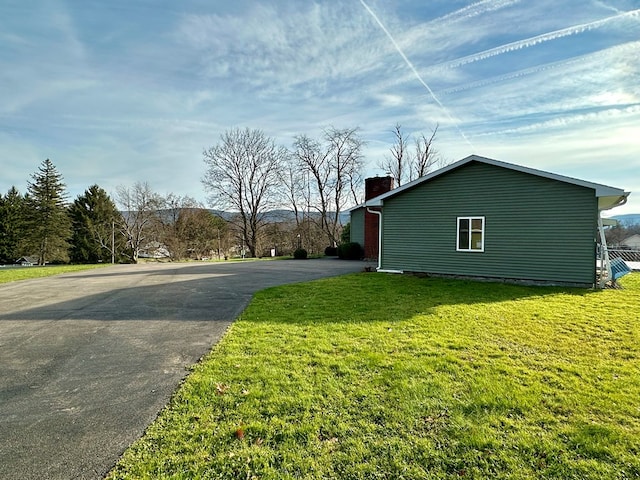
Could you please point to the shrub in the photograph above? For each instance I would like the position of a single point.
(300, 254)
(331, 251)
(345, 236)
(350, 251)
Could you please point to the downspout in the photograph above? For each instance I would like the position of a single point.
(379, 268)
(605, 264)
(605, 261)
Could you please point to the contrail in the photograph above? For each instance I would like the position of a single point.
(415, 72)
(597, 58)
(476, 9)
(532, 41)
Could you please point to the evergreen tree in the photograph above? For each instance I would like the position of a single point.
(12, 227)
(94, 217)
(48, 223)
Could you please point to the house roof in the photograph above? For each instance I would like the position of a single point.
(608, 197)
(632, 240)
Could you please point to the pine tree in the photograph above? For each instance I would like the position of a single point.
(48, 223)
(12, 227)
(93, 216)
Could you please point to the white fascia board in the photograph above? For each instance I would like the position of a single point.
(374, 202)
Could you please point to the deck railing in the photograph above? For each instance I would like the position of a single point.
(626, 254)
(630, 256)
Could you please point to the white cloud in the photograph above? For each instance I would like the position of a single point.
(278, 49)
(126, 92)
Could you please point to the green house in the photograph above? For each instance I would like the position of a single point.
(485, 218)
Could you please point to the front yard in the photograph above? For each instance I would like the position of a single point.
(397, 377)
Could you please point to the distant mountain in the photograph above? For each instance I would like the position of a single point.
(279, 216)
(628, 220)
(273, 216)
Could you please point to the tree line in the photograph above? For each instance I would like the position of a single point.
(316, 179)
(274, 199)
(92, 229)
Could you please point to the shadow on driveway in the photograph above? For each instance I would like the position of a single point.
(89, 359)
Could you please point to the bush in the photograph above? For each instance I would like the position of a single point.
(350, 251)
(345, 236)
(331, 251)
(300, 254)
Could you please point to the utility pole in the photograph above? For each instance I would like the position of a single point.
(113, 242)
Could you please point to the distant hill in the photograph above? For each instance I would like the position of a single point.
(278, 216)
(273, 216)
(628, 220)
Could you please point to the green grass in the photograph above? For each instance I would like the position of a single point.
(25, 273)
(371, 376)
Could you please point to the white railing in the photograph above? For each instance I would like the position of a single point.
(630, 256)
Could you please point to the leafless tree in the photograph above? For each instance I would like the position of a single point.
(426, 157)
(334, 167)
(294, 185)
(243, 175)
(139, 221)
(398, 165)
(405, 166)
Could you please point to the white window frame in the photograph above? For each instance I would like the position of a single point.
(469, 246)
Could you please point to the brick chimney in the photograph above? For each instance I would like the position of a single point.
(372, 188)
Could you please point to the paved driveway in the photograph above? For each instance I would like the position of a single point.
(87, 360)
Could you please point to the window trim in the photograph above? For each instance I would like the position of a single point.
(471, 230)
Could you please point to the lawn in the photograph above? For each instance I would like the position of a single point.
(371, 376)
(24, 273)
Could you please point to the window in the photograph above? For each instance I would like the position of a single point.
(470, 234)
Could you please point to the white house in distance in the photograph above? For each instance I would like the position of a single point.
(633, 242)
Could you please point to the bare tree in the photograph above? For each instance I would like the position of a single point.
(335, 173)
(294, 186)
(426, 157)
(243, 175)
(398, 165)
(405, 166)
(139, 219)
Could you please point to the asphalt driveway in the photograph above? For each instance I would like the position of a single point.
(87, 360)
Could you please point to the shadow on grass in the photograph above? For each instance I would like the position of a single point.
(354, 297)
(221, 291)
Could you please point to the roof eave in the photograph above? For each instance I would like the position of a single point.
(607, 202)
(374, 202)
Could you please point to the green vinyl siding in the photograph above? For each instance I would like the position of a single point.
(535, 228)
(357, 226)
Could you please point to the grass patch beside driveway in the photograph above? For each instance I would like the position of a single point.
(379, 376)
(13, 274)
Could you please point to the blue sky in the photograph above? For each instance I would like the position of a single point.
(115, 92)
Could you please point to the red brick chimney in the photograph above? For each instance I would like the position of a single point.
(372, 188)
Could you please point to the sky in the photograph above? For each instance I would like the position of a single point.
(117, 92)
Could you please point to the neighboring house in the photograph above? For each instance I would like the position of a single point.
(27, 261)
(155, 250)
(480, 217)
(632, 242)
